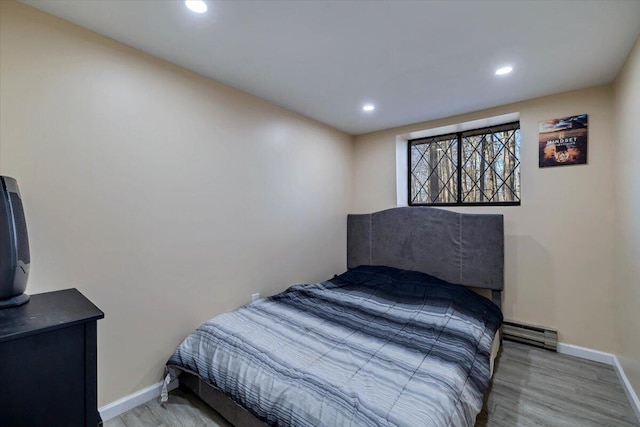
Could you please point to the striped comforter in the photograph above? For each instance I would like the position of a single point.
(375, 346)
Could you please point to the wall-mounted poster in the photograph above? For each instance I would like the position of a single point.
(563, 141)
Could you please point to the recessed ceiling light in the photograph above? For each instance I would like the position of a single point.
(368, 107)
(197, 6)
(504, 70)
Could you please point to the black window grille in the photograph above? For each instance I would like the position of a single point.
(476, 167)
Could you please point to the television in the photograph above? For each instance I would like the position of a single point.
(14, 246)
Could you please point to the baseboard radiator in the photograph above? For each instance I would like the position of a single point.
(538, 336)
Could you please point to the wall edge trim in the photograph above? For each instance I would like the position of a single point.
(126, 403)
(609, 359)
(628, 388)
(586, 353)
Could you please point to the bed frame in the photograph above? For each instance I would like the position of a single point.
(466, 249)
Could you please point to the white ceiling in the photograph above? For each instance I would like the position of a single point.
(415, 60)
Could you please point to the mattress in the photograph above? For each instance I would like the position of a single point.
(375, 346)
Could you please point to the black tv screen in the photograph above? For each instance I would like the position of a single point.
(15, 259)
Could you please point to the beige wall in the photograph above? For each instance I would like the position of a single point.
(627, 215)
(559, 243)
(163, 196)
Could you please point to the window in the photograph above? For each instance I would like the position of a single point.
(476, 167)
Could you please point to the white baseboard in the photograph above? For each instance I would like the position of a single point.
(129, 402)
(586, 353)
(628, 389)
(609, 359)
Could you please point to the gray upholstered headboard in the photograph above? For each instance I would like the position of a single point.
(467, 249)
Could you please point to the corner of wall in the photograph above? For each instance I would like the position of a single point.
(626, 110)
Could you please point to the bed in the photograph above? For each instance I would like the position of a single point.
(396, 340)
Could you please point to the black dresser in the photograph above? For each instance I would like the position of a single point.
(48, 374)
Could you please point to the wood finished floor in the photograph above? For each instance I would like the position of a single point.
(531, 387)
